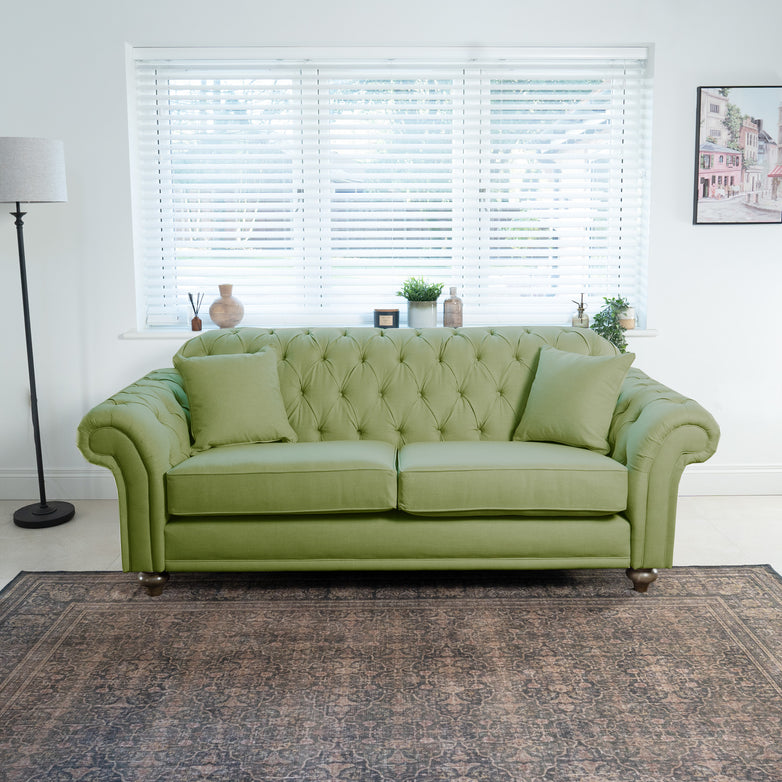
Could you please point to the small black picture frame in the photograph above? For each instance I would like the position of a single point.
(386, 319)
(738, 156)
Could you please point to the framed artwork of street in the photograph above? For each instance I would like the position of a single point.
(738, 156)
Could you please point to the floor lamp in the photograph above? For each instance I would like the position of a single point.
(32, 170)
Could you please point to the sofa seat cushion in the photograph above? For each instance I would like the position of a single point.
(274, 478)
(524, 478)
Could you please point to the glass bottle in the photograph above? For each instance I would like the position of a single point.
(453, 311)
(581, 319)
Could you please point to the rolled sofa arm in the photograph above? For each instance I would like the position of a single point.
(139, 434)
(656, 433)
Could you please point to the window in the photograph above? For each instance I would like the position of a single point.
(317, 181)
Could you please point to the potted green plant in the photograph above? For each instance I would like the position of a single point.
(421, 301)
(608, 322)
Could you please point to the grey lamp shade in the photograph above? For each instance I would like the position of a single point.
(32, 170)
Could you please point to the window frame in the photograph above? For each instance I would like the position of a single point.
(457, 56)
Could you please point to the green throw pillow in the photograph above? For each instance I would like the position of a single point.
(572, 399)
(234, 398)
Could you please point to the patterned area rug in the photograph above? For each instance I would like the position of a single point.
(538, 676)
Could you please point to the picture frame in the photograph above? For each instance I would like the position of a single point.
(738, 156)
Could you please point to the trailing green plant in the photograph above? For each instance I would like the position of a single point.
(606, 322)
(418, 289)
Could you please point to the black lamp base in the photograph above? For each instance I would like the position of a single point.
(38, 516)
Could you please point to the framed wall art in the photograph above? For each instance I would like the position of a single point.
(738, 156)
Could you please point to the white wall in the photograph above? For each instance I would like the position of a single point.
(715, 292)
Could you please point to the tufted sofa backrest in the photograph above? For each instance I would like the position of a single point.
(403, 385)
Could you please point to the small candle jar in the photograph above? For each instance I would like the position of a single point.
(386, 319)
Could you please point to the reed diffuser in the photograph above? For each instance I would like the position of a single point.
(195, 303)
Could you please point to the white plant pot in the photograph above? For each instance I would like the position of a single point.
(421, 314)
(627, 318)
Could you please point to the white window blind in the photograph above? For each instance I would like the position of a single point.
(317, 185)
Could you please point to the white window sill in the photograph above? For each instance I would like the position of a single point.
(640, 333)
(181, 335)
(173, 334)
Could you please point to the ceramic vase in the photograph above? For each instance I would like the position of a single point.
(421, 314)
(226, 311)
(627, 318)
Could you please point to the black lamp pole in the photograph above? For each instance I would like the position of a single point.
(43, 513)
(32, 171)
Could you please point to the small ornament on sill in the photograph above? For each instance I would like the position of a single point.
(227, 311)
(453, 311)
(627, 318)
(386, 319)
(195, 303)
(580, 319)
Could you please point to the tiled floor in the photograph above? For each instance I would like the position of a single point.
(710, 531)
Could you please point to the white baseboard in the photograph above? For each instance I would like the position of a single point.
(98, 484)
(85, 484)
(703, 480)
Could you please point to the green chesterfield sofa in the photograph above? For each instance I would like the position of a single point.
(370, 449)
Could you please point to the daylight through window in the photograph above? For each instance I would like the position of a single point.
(316, 184)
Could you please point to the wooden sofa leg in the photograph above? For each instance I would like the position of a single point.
(154, 582)
(641, 578)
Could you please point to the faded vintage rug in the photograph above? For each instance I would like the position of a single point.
(374, 678)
